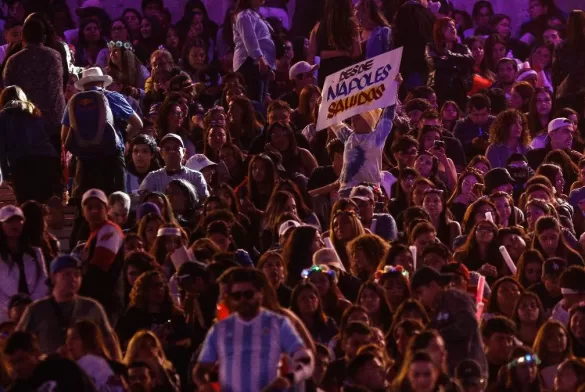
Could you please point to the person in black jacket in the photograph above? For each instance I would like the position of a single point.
(473, 130)
(413, 30)
(452, 315)
(452, 62)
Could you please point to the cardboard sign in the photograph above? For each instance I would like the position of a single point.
(364, 86)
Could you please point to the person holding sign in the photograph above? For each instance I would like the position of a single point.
(364, 142)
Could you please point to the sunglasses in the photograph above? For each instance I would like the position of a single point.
(238, 295)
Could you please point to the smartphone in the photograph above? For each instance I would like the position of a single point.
(439, 144)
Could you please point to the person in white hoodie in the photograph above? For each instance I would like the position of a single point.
(22, 267)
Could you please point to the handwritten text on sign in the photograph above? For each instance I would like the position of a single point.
(365, 86)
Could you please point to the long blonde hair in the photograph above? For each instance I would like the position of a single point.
(15, 98)
(140, 340)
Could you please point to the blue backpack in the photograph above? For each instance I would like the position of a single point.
(92, 133)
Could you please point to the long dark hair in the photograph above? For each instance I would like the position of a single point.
(489, 45)
(340, 24)
(35, 229)
(320, 318)
(374, 13)
(25, 247)
(271, 176)
(129, 73)
(563, 249)
(483, 66)
(493, 306)
(384, 313)
(469, 251)
(190, 44)
(541, 312)
(297, 254)
(82, 44)
(576, 30)
(534, 124)
(250, 125)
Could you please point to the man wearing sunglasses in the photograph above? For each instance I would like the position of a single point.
(248, 346)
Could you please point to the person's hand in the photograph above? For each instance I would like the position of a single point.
(488, 270)
(279, 384)
(398, 79)
(263, 66)
(439, 153)
(434, 6)
(269, 147)
(247, 206)
(480, 143)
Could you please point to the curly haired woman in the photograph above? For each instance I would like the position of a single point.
(509, 134)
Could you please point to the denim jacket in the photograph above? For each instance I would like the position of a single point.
(380, 41)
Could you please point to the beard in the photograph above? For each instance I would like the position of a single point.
(248, 309)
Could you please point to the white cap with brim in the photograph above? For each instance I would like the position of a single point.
(94, 194)
(10, 211)
(92, 75)
(300, 68)
(328, 257)
(199, 162)
(559, 123)
(172, 136)
(286, 226)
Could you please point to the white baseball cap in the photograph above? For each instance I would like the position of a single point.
(94, 194)
(286, 226)
(300, 68)
(559, 123)
(199, 162)
(10, 211)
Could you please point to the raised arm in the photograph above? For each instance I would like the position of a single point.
(313, 44)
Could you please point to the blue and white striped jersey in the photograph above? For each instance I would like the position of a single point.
(248, 352)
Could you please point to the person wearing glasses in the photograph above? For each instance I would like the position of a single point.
(231, 343)
(173, 152)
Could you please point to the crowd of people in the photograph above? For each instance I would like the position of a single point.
(223, 242)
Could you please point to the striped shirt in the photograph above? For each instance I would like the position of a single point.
(248, 352)
(158, 180)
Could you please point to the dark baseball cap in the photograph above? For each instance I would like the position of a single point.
(192, 270)
(554, 266)
(427, 275)
(468, 373)
(62, 262)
